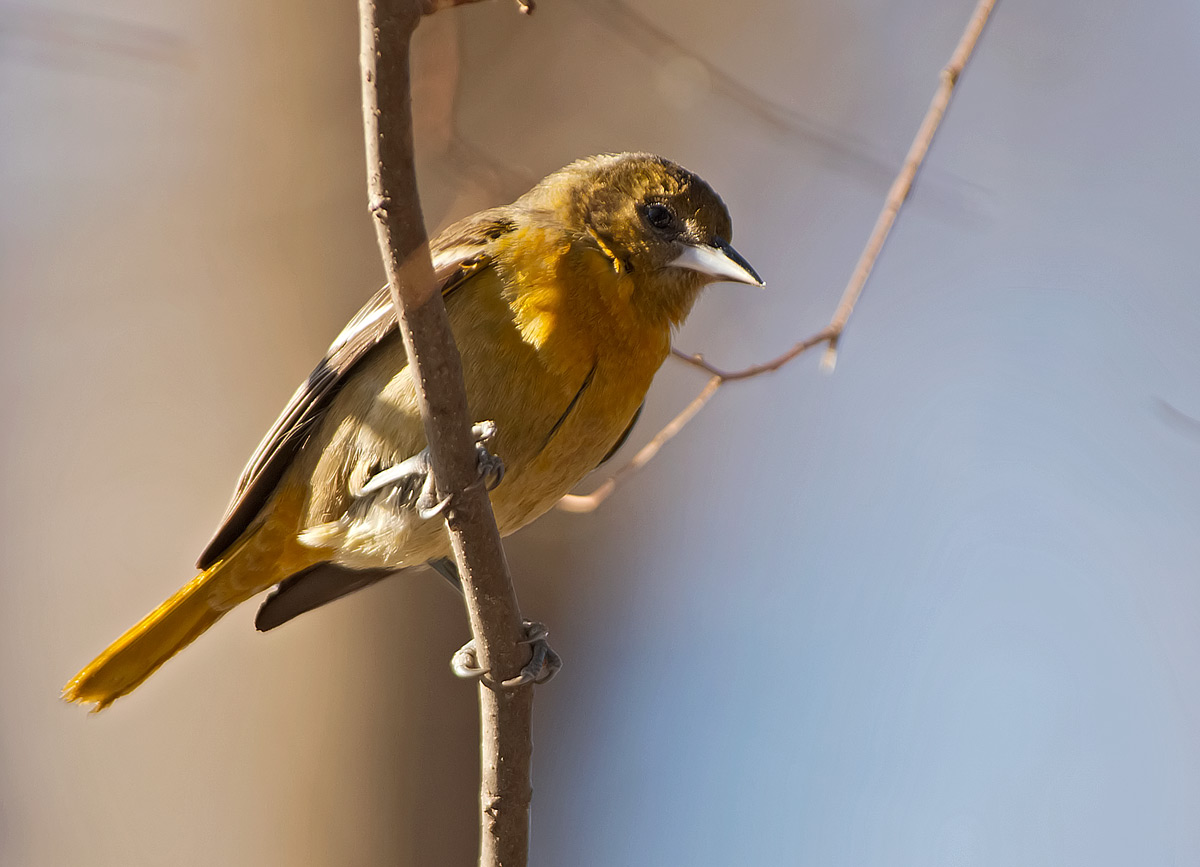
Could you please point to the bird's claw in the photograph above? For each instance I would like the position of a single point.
(543, 663)
(490, 466)
(410, 483)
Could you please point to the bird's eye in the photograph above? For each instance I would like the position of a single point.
(659, 216)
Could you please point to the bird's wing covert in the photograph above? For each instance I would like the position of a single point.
(458, 253)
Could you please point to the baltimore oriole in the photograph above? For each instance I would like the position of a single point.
(562, 305)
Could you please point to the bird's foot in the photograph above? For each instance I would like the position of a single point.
(410, 483)
(543, 664)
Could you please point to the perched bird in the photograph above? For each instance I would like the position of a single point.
(562, 305)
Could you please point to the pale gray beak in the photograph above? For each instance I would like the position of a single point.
(719, 261)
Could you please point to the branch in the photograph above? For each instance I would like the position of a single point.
(387, 27)
(830, 335)
(902, 186)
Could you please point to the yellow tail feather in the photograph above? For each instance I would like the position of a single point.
(259, 559)
(159, 635)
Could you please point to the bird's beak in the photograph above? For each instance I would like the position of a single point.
(719, 261)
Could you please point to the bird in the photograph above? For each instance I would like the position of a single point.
(562, 305)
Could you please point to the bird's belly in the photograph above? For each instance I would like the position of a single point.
(571, 446)
(547, 446)
(558, 412)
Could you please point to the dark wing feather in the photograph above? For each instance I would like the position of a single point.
(623, 437)
(310, 589)
(313, 587)
(458, 252)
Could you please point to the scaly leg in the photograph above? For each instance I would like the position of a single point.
(411, 481)
(543, 664)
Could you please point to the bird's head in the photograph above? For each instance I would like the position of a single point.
(658, 223)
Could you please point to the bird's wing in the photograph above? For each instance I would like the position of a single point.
(623, 437)
(458, 253)
(311, 589)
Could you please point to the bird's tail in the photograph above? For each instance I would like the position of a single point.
(159, 635)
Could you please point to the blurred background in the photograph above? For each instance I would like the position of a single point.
(939, 608)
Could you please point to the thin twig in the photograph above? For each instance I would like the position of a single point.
(822, 336)
(1178, 418)
(506, 747)
(902, 186)
(830, 335)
